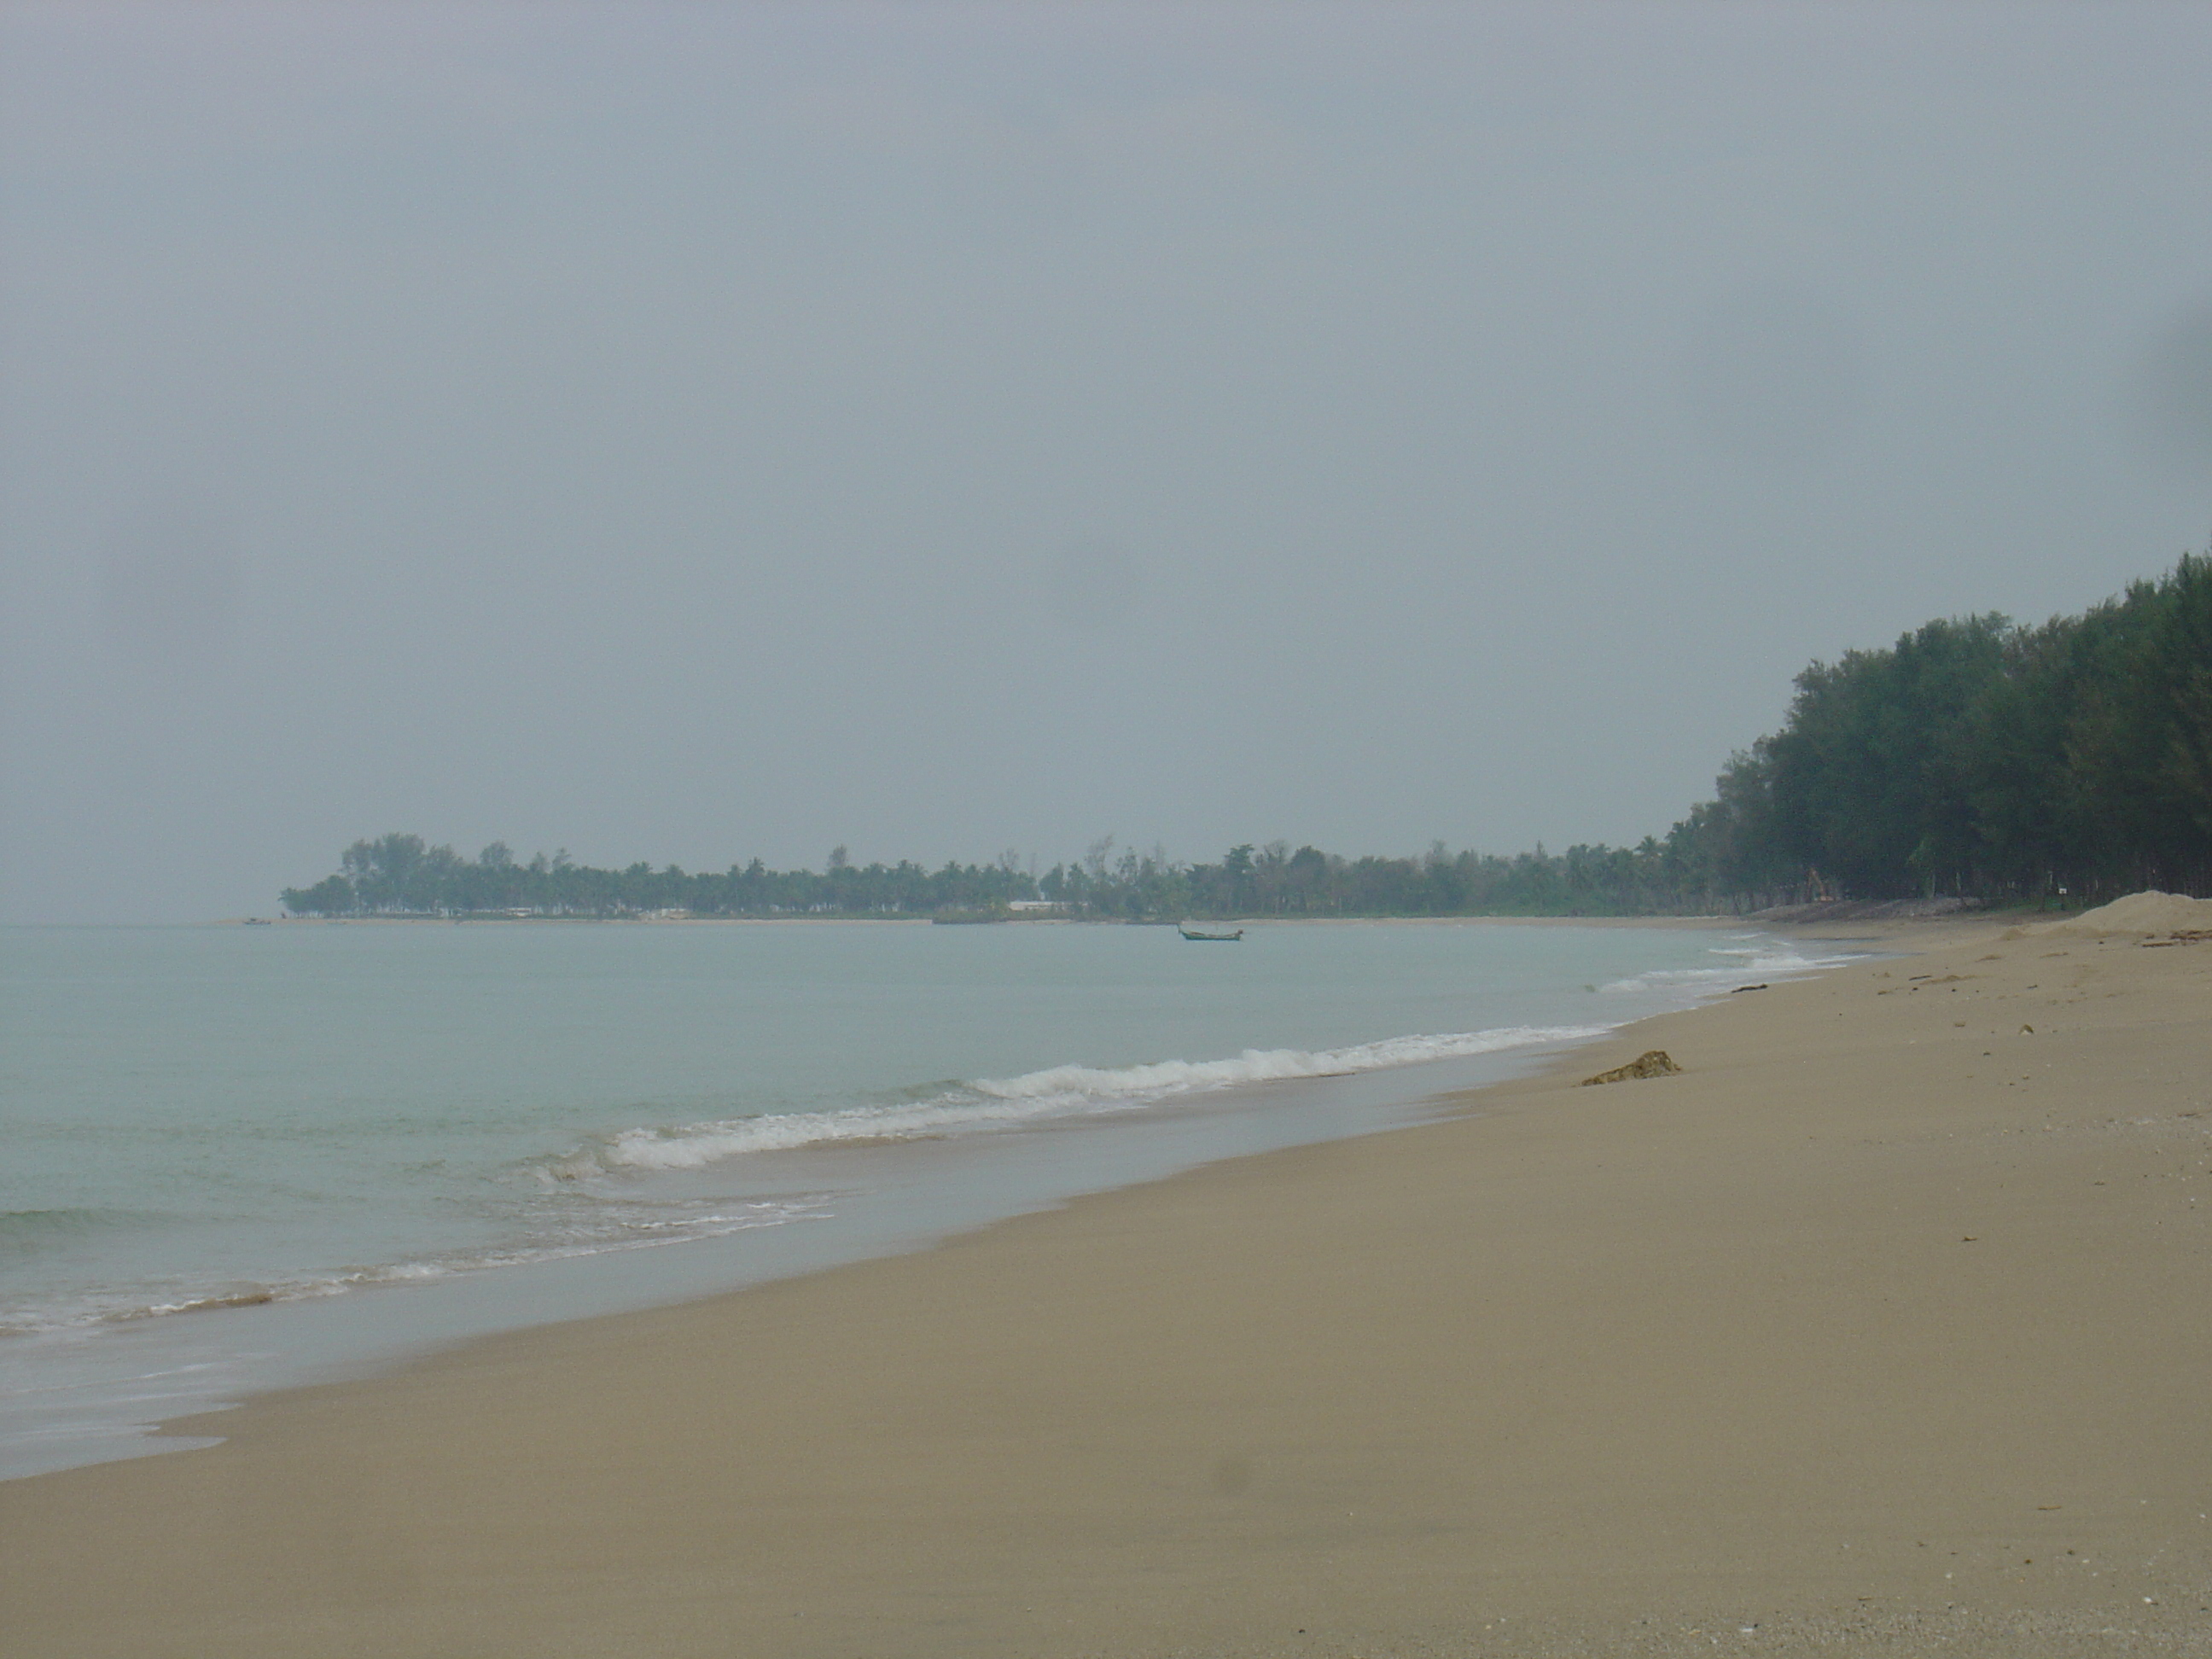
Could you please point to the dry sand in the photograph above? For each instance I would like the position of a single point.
(1882, 1328)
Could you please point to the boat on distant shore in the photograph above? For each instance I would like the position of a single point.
(1209, 936)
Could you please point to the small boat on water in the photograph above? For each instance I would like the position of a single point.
(1208, 936)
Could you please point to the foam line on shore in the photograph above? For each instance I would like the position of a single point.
(1760, 955)
(1057, 1091)
(622, 1228)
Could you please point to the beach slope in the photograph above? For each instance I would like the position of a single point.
(1883, 1327)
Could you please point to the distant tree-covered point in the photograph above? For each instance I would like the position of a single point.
(1976, 758)
(402, 875)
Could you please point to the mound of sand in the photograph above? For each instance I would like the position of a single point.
(2143, 914)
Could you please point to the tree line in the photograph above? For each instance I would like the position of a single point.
(1987, 759)
(402, 875)
(1976, 757)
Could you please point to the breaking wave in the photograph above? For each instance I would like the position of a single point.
(987, 1103)
(602, 1229)
(1761, 956)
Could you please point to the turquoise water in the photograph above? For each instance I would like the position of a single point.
(236, 1156)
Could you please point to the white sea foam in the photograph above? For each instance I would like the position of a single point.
(611, 1228)
(989, 1104)
(1759, 958)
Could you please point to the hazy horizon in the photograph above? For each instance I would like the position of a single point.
(691, 434)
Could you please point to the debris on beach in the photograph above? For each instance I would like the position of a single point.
(1652, 1062)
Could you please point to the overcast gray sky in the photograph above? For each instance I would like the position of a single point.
(691, 432)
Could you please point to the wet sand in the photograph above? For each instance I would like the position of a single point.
(1885, 1326)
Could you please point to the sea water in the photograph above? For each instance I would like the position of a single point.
(235, 1158)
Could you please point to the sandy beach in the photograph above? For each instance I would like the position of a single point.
(1885, 1326)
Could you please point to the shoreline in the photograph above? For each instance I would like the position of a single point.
(1572, 1360)
(1753, 922)
(991, 922)
(78, 1390)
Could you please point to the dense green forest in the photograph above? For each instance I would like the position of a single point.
(1986, 759)
(1976, 757)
